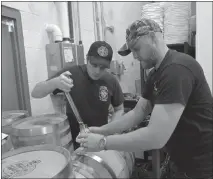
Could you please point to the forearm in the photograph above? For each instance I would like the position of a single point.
(117, 114)
(142, 139)
(122, 123)
(44, 88)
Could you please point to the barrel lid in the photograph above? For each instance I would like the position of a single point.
(40, 161)
(39, 125)
(8, 117)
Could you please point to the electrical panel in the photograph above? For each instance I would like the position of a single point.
(61, 54)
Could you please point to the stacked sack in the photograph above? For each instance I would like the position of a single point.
(176, 22)
(154, 11)
(172, 17)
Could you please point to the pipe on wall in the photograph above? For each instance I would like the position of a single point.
(62, 8)
(57, 34)
(70, 16)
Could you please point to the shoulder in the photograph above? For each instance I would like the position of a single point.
(110, 78)
(186, 62)
(176, 71)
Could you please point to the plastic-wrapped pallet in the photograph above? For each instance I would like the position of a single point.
(155, 12)
(176, 22)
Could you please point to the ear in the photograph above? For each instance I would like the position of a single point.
(153, 38)
(87, 58)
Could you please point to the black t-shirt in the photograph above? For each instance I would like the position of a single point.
(180, 79)
(92, 97)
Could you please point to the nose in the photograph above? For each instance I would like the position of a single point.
(97, 70)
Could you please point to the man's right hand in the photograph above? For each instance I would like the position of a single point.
(64, 82)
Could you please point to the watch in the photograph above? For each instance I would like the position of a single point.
(102, 143)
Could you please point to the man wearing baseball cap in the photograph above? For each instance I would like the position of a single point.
(93, 88)
(179, 99)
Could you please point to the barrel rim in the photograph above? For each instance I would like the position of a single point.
(102, 162)
(23, 113)
(95, 157)
(41, 130)
(69, 144)
(15, 111)
(56, 148)
(81, 169)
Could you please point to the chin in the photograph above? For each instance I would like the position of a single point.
(146, 66)
(95, 78)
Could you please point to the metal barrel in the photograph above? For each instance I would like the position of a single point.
(40, 161)
(9, 117)
(103, 164)
(42, 129)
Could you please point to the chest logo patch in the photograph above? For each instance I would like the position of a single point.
(103, 93)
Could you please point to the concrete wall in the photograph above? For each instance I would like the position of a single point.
(120, 15)
(86, 24)
(34, 16)
(204, 38)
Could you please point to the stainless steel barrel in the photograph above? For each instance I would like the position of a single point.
(103, 164)
(9, 117)
(42, 129)
(41, 161)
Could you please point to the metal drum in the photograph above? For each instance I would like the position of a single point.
(103, 164)
(41, 161)
(6, 145)
(9, 117)
(43, 129)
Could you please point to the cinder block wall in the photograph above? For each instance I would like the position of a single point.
(120, 15)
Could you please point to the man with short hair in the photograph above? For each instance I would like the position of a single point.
(93, 88)
(179, 97)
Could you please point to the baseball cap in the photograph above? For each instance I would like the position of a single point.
(103, 51)
(137, 29)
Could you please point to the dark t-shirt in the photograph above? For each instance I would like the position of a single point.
(180, 79)
(91, 97)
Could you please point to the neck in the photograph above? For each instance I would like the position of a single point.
(163, 49)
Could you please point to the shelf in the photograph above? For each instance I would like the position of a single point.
(184, 48)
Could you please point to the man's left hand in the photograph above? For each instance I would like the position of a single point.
(90, 141)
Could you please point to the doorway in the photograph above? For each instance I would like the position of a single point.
(15, 90)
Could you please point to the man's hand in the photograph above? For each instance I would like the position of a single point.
(79, 151)
(64, 82)
(90, 141)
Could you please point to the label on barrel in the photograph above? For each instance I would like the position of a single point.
(19, 169)
(36, 164)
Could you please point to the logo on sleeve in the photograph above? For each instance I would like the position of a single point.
(103, 93)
